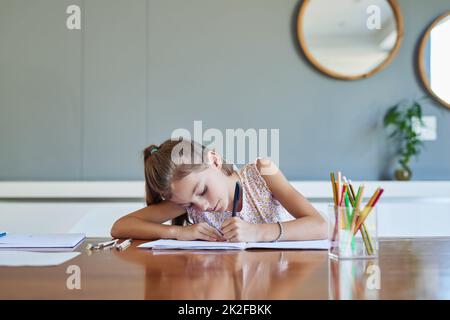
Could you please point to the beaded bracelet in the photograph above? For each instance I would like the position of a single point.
(281, 232)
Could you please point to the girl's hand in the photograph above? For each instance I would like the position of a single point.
(199, 231)
(237, 230)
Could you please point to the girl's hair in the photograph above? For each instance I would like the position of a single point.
(172, 161)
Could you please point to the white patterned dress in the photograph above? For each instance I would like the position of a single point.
(258, 203)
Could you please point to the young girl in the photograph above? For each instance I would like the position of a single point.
(184, 189)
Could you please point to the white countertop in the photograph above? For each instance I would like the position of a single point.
(135, 189)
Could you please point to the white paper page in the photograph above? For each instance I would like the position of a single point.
(57, 240)
(193, 251)
(34, 259)
(191, 245)
(310, 244)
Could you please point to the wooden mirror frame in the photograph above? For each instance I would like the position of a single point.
(421, 56)
(400, 29)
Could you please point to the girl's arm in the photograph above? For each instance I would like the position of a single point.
(146, 223)
(309, 223)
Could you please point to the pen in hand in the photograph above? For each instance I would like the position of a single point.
(237, 191)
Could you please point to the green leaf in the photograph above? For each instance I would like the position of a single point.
(417, 110)
(392, 116)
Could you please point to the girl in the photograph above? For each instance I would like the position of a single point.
(186, 181)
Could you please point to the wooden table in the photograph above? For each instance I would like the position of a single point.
(408, 269)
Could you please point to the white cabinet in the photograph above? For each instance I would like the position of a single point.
(407, 209)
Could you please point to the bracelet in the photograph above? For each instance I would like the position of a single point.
(281, 232)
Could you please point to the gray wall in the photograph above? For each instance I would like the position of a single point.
(81, 105)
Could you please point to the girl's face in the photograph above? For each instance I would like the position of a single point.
(206, 190)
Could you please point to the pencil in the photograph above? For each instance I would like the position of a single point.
(359, 197)
(368, 240)
(333, 185)
(368, 208)
(335, 201)
(341, 198)
(351, 192)
(339, 185)
(350, 198)
(351, 189)
(365, 234)
(347, 208)
(342, 213)
(371, 203)
(355, 217)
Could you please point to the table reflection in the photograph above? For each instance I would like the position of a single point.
(249, 274)
(354, 279)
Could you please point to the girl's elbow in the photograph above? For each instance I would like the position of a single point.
(322, 227)
(116, 229)
(114, 233)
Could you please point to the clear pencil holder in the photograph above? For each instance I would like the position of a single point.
(353, 234)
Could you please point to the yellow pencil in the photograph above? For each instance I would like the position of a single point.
(333, 185)
(335, 200)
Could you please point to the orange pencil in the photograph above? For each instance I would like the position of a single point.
(368, 208)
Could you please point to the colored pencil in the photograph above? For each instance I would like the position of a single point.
(341, 198)
(352, 191)
(339, 186)
(333, 186)
(368, 208)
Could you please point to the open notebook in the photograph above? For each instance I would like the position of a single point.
(196, 245)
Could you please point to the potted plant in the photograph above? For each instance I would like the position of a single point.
(402, 119)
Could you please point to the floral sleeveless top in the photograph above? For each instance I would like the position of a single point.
(258, 203)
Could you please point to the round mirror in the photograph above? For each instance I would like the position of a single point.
(350, 39)
(434, 63)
